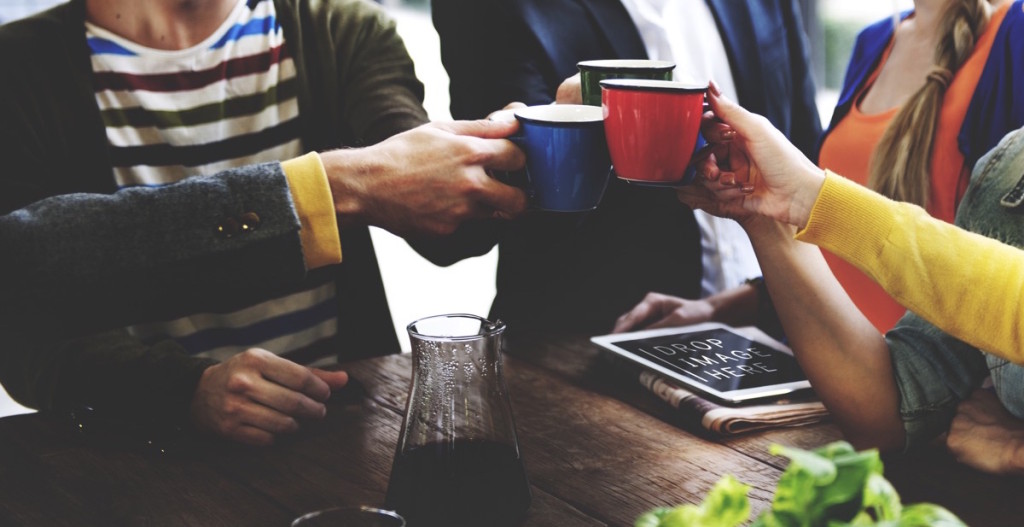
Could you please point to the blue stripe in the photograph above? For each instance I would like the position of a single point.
(102, 46)
(260, 26)
(146, 185)
(262, 331)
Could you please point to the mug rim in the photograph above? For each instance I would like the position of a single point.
(487, 329)
(361, 508)
(561, 114)
(625, 64)
(653, 85)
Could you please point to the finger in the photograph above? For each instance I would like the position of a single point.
(505, 200)
(288, 401)
(570, 91)
(335, 379)
(294, 376)
(251, 435)
(700, 157)
(630, 319)
(506, 114)
(671, 320)
(731, 113)
(718, 132)
(649, 308)
(708, 168)
(695, 196)
(268, 419)
(499, 154)
(726, 195)
(482, 128)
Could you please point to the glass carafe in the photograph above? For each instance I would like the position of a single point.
(458, 461)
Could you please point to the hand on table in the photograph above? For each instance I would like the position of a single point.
(256, 395)
(659, 311)
(429, 179)
(984, 435)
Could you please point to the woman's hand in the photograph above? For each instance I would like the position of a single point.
(985, 436)
(750, 167)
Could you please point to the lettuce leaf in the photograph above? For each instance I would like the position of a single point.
(726, 505)
(831, 486)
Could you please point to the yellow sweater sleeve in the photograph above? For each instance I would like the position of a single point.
(965, 284)
(311, 194)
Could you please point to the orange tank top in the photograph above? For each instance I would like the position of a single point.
(848, 148)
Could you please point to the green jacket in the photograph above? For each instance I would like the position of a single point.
(357, 86)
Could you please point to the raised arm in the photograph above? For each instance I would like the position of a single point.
(912, 255)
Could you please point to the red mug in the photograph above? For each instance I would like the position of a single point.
(652, 127)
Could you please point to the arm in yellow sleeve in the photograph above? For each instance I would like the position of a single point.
(966, 284)
(307, 180)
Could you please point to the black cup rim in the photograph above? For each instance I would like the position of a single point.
(621, 65)
(653, 85)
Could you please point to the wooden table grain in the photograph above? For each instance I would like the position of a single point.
(598, 449)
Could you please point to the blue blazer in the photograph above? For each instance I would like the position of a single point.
(997, 106)
(581, 271)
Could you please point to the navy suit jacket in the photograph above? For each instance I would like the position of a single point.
(580, 271)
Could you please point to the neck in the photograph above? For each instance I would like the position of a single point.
(160, 24)
(928, 14)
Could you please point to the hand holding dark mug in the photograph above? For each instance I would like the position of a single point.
(751, 167)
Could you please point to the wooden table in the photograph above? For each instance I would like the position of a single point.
(598, 449)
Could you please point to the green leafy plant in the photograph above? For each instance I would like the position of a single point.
(832, 486)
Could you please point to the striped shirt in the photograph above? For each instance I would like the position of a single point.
(226, 102)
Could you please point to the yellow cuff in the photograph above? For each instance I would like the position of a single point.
(848, 220)
(311, 194)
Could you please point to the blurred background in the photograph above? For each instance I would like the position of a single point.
(417, 288)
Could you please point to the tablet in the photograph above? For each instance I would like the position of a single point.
(727, 364)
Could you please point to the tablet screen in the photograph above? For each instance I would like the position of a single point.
(714, 359)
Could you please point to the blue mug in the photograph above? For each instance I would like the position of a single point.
(567, 161)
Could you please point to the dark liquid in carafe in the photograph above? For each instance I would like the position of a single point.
(457, 484)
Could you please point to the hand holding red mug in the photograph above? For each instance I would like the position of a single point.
(750, 167)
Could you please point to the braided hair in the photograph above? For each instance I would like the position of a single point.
(901, 165)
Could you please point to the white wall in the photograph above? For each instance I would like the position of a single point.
(414, 286)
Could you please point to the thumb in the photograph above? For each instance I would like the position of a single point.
(334, 379)
(487, 129)
(730, 113)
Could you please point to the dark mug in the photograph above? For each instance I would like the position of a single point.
(592, 72)
(567, 162)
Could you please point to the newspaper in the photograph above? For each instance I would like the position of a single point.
(728, 420)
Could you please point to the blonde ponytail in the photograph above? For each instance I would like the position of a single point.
(901, 165)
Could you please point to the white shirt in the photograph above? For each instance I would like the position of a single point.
(684, 32)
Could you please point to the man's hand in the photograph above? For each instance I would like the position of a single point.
(570, 91)
(256, 395)
(429, 179)
(660, 311)
(985, 436)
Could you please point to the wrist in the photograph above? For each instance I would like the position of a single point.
(736, 307)
(807, 195)
(348, 176)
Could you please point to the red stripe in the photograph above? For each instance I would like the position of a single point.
(191, 80)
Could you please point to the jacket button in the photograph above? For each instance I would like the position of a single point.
(249, 221)
(228, 227)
